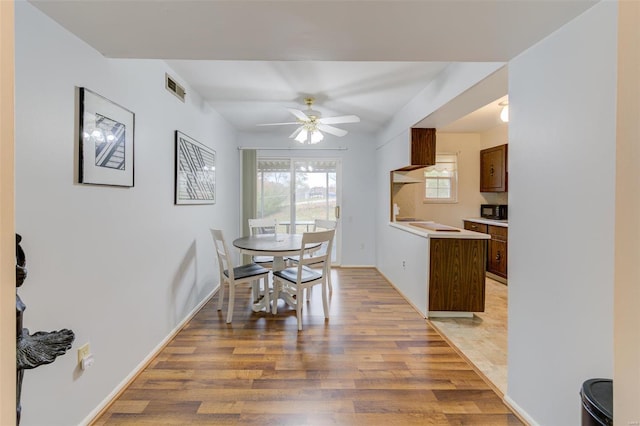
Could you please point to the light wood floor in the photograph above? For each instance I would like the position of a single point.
(376, 361)
(483, 338)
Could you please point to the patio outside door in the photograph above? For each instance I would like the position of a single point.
(296, 191)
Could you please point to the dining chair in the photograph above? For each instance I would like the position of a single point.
(232, 276)
(318, 225)
(295, 280)
(259, 227)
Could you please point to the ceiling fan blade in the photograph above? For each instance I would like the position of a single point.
(340, 119)
(276, 124)
(295, 133)
(332, 130)
(299, 114)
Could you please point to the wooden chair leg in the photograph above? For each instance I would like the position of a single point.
(325, 304)
(299, 294)
(232, 298)
(276, 291)
(220, 295)
(266, 292)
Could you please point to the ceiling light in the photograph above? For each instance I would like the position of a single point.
(316, 137)
(504, 114)
(302, 136)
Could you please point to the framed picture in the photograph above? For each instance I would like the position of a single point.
(106, 135)
(195, 171)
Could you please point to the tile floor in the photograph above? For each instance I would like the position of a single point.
(483, 338)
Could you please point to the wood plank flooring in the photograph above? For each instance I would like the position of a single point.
(375, 361)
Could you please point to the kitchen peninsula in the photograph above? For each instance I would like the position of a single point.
(439, 269)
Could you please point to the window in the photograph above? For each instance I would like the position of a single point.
(441, 180)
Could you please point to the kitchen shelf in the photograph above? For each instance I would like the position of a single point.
(402, 178)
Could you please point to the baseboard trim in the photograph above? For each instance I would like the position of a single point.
(118, 390)
(519, 412)
(355, 266)
(401, 294)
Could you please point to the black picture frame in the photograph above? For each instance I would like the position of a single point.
(106, 141)
(195, 171)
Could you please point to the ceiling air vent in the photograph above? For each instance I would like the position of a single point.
(171, 85)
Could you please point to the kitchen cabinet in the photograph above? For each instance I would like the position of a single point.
(423, 149)
(456, 275)
(497, 250)
(493, 169)
(497, 253)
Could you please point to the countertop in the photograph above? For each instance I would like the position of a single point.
(448, 232)
(503, 223)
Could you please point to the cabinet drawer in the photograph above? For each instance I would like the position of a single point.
(477, 227)
(498, 232)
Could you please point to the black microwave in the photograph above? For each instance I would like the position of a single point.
(494, 211)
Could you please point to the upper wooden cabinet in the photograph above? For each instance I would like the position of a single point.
(493, 169)
(423, 149)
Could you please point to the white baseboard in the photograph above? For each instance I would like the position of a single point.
(138, 369)
(519, 411)
(354, 266)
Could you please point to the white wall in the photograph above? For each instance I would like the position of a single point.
(357, 153)
(562, 96)
(121, 267)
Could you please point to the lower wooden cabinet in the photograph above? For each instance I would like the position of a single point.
(456, 275)
(497, 246)
(497, 261)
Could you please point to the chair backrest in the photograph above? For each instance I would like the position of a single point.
(310, 255)
(320, 224)
(262, 226)
(222, 251)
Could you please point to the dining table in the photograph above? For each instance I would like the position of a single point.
(279, 246)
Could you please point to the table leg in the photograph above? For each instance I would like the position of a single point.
(263, 303)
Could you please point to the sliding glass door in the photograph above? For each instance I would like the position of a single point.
(296, 191)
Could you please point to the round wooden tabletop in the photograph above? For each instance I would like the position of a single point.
(271, 245)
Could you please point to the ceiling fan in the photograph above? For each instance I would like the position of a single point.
(311, 124)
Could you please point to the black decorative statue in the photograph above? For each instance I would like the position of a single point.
(37, 349)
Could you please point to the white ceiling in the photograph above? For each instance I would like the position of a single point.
(253, 59)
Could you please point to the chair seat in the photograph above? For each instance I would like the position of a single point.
(291, 274)
(248, 270)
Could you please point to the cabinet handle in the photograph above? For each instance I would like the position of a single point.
(498, 257)
(491, 171)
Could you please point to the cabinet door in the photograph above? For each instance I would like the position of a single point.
(493, 169)
(423, 147)
(497, 262)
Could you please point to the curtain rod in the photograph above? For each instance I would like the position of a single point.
(260, 148)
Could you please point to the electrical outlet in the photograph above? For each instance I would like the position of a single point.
(83, 352)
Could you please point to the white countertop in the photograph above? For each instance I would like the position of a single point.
(503, 223)
(428, 233)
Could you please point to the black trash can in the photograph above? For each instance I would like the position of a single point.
(597, 402)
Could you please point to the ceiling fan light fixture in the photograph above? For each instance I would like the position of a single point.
(316, 137)
(302, 136)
